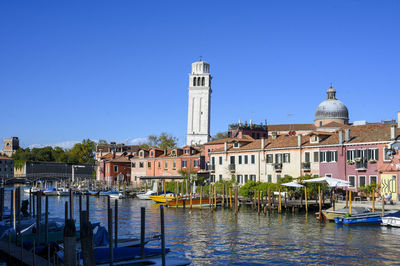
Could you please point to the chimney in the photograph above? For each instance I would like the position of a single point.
(274, 134)
(347, 135)
(341, 137)
(226, 146)
(393, 132)
(299, 140)
(262, 143)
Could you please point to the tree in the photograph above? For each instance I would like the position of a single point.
(164, 141)
(83, 152)
(220, 135)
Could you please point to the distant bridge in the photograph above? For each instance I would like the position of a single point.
(33, 177)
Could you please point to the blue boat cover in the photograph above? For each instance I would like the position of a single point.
(101, 255)
(100, 238)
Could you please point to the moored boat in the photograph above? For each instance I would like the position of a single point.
(330, 214)
(50, 192)
(392, 219)
(163, 198)
(363, 218)
(63, 191)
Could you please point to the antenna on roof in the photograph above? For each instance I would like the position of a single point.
(201, 58)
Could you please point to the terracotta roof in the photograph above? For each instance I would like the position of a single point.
(370, 133)
(121, 159)
(288, 127)
(332, 124)
(245, 138)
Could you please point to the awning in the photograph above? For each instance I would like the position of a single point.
(292, 184)
(332, 182)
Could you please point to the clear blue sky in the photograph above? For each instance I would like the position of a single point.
(118, 70)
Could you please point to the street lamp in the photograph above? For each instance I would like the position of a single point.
(73, 171)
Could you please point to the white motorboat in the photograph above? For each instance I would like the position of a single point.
(63, 191)
(117, 195)
(392, 219)
(146, 195)
(50, 192)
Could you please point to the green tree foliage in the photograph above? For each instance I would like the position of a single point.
(80, 153)
(220, 135)
(164, 141)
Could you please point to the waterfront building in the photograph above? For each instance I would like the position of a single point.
(10, 146)
(117, 169)
(117, 149)
(199, 104)
(6, 167)
(139, 166)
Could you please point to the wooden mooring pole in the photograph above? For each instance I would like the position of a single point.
(86, 235)
(142, 230)
(162, 235)
(70, 243)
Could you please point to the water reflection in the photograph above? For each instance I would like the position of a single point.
(209, 237)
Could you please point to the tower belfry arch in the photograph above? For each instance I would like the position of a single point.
(198, 127)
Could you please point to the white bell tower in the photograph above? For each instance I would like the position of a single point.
(198, 128)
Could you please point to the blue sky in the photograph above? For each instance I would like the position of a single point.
(118, 70)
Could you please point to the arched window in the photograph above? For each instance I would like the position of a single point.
(202, 81)
(198, 81)
(194, 81)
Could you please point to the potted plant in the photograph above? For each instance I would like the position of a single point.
(350, 162)
(358, 160)
(372, 160)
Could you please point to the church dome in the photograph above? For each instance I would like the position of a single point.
(332, 109)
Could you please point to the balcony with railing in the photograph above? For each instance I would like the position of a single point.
(232, 168)
(211, 167)
(278, 167)
(362, 165)
(306, 166)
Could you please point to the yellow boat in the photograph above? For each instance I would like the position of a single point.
(163, 198)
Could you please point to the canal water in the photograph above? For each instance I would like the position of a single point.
(219, 237)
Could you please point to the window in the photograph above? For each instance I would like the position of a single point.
(173, 164)
(253, 159)
(220, 160)
(212, 160)
(240, 179)
(386, 154)
(187, 151)
(328, 156)
(350, 155)
(246, 159)
(159, 165)
(240, 159)
(270, 178)
(278, 158)
(253, 177)
(361, 181)
(307, 157)
(166, 165)
(352, 180)
(196, 163)
(232, 159)
(212, 178)
(286, 158)
(322, 157)
(373, 154)
(270, 158)
(246, 178)
(372, 179)
(141, 164)
(149, 165)
(115, 168)
(173, 153)
(220, 178)
(236, 144)
(141, 154)
(193, 151)
(278, 177)
(315, 157)
(184, 164)
(133, 165)
(151, 154)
